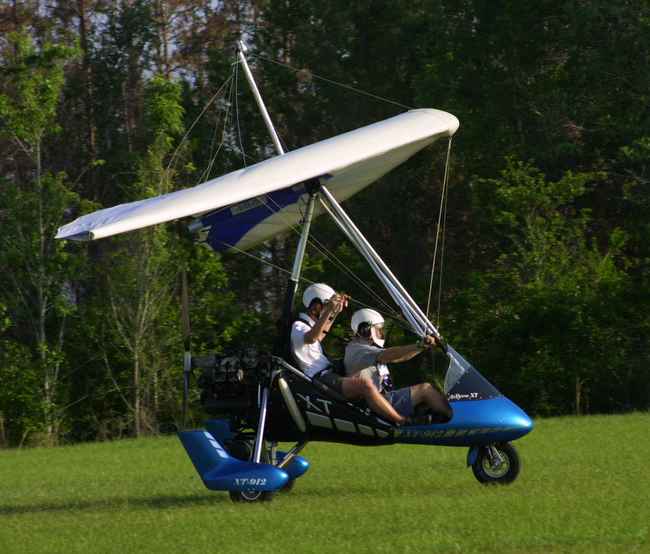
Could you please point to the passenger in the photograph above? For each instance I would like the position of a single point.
(365, 356)
(308, 331)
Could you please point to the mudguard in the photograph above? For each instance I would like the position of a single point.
(220, 430)
(220, 471)
(472, 455)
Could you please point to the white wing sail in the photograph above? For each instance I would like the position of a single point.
(350, 162)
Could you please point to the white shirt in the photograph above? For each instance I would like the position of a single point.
(310, 357)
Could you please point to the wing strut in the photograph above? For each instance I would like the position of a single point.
(292, 285)
(258, 97)
(419, 322)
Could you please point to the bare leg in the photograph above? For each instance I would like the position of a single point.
(355, 388)
(427, 394)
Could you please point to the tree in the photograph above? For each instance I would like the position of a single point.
(141, 291)
(547, 318)
(41, 268)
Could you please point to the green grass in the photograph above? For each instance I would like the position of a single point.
(584, 487)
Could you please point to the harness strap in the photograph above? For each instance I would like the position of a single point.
(308, 323)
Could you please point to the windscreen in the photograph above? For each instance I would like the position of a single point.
(464, 382)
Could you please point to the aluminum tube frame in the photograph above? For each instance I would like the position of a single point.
(258, 98)
(291, 454)
(302, 244)
(369, 253)
(261, 424)
(290, 368)
(292, 282)
(409, 308)
(417, 327)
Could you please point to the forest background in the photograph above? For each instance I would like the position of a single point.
(545, 281)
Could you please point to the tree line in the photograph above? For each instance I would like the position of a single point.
(544, 279)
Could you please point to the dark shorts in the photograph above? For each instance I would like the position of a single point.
(400, 399)
(331, 379)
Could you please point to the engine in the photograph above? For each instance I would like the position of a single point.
(229, 383)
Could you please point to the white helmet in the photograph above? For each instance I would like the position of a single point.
(372, 318)
(319, 291)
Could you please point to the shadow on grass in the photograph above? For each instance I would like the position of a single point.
(154, 502)
(435, 489)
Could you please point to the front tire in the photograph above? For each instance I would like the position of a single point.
(499, 470)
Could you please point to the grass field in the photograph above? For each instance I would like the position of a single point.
(584, 487)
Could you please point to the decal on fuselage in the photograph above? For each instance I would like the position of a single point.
(253, 481)
(464, 396)
(248, 205)
(446, 433)
(310, 404)
(220, 451)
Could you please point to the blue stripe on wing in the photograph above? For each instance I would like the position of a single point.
(229, 226)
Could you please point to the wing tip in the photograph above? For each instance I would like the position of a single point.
(84, 236)
(451, 121)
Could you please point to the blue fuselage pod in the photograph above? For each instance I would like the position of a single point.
(474, 422)
(220, 471)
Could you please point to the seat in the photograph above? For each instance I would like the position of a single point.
(325, 389)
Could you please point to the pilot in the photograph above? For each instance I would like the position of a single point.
(323, 305)
(365, 356)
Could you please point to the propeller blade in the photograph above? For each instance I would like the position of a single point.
(187, 339)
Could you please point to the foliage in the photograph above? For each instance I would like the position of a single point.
(39, 289)
(33, 81)
(552, 300)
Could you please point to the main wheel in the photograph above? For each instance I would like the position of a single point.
(498, 467)
(241, 449)
(251, 496)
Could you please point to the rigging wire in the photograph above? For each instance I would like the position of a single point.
(442, 260)
(351, 273)
(227, 117)
(241, 144)
(214, 97)
(399, 320)
(331, 257)
(439, 230)
(321, 248)
(336, 83)
(232, 81)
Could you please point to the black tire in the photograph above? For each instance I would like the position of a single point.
(488, 473)
(289, 486)
(251, 496)
(240, 449)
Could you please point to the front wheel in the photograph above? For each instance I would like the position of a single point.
(496, 464)
(251, 496)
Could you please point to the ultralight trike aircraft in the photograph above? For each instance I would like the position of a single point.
(262, 399)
